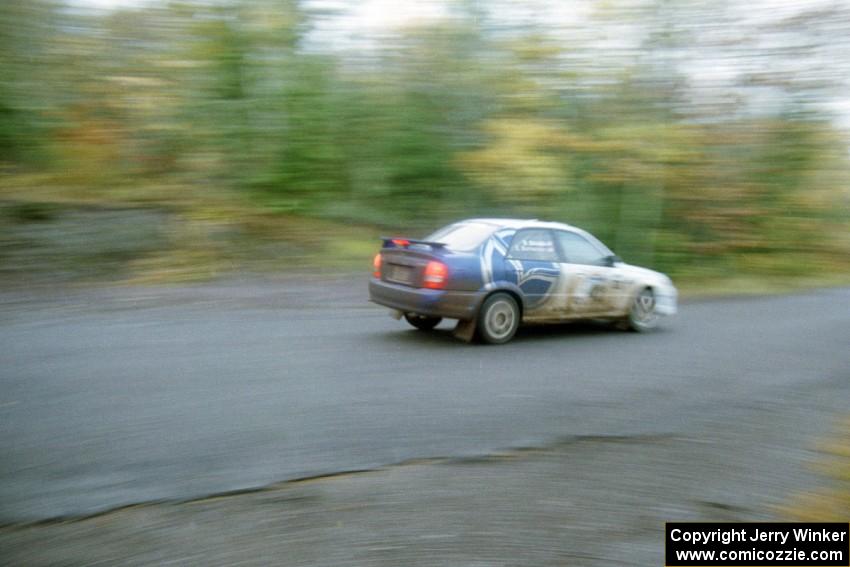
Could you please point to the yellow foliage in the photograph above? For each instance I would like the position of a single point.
(832, 502)
(524, 161)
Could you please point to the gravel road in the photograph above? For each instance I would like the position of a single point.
(570, 445)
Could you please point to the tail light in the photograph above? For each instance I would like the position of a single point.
(436, 275)
(376, 265)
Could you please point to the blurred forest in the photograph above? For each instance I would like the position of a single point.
(706, 139)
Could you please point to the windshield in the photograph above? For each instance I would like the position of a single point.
(463, 236)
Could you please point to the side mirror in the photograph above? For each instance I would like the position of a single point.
(609, 261)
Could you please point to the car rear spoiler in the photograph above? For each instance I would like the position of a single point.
(398, 242)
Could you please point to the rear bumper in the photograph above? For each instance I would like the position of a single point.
(433, 302)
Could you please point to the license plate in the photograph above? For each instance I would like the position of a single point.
(400, 274)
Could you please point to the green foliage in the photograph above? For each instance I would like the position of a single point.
(460, 117)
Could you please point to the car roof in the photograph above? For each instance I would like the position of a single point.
(520, 223)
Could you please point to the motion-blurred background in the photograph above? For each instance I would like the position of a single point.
(157, 141)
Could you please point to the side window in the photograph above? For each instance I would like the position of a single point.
(577, 250)
(533, 244)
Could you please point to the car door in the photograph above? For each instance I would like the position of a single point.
(533, 264)
(593, 282)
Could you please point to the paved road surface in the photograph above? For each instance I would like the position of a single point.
(109, 397)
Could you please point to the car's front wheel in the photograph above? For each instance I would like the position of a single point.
(498, 319)
(642, 315)
(422, 322)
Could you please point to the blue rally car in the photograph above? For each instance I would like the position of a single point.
(493, 274)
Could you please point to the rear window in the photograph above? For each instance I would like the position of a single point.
(463, 236)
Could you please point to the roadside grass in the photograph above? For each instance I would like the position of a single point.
(753, 285)
(212, 232)
(258, 243)
(831, 502)
(215, 232)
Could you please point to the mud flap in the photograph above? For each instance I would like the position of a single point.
(465, 330)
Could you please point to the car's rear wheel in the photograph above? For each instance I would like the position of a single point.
(642, 315)
(422, 322)
(498, 319)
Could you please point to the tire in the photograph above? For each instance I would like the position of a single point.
(498, 319)
(422, 322)
(642, 315)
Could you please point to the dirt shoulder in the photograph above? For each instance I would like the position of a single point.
(582, 501)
